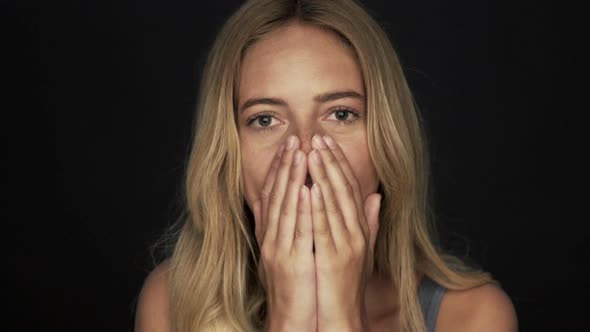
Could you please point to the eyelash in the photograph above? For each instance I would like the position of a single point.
(253, 118)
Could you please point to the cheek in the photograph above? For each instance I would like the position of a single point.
(255, 165)
(360, 161)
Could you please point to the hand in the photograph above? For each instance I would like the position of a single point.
(344, 232)
(283, 230)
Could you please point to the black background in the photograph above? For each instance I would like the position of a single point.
(109, 110)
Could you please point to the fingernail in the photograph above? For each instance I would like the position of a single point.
(297, 158)
(291, 142)
(302, 192)
(315, 155)
(330, 142)
(319, 142)
(316, 189)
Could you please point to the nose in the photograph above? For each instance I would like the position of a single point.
(305, 135)
(305, 142)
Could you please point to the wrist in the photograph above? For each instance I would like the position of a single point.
(347, 326)
(276, 324)
(352, 323)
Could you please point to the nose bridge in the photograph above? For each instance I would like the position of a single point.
(305, 131)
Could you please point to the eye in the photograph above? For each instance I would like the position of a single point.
(345, 115)
(262, 121)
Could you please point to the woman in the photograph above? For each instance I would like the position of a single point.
(307, 190)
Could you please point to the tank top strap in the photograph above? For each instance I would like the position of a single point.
(430, 295)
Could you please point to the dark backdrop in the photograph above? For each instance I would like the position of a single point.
(499, 85)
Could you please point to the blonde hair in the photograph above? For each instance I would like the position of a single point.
(212, 276)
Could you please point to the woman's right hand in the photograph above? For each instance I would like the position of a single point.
(284, 233)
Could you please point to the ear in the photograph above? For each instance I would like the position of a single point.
(372, 206)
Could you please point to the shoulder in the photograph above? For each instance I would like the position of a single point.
(152, 306)
(484, 308)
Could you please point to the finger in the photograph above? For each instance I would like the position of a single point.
(279, 188)
(372, 205)
(267, 189)
(343, 191)
(346, 168)
(288, 217)
(330, 205)
(322, 233)
(345, 184)
(303, 237)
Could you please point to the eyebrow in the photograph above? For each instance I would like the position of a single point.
(323, 98)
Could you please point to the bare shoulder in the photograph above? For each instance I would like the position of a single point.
(152, 306)
(484, 308)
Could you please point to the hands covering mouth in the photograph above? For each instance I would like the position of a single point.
(323, 288)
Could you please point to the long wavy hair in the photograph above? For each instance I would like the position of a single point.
(214, 254)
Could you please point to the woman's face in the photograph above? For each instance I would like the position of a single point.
(294, 66)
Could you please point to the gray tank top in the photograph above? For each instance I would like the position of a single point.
(430, 295)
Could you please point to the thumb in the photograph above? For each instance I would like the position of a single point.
(372, 206)
(257, 222)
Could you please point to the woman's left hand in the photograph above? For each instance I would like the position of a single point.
(344, 231)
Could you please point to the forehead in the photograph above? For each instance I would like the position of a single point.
(296, 60)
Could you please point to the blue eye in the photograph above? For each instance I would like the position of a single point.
(343, 114)
(264, 120)
(261, 121)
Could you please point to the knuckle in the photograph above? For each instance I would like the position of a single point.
(322, 231)
(265, 194)
(345, 253)
(285, 161)
(340, 158)
(274, 197)
(323, 177)
(330, 158)
(332, 208)
(285, 212)
(300, 233)
(266, 254)
(358, 244)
